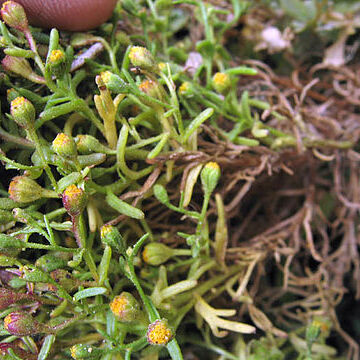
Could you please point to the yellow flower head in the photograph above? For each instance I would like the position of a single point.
(74, 200)
(73, 351)
(184, 87)
(105, 76)
(162, 66)
(146, 85)
(19, 101)
(125, 307)
(56, 55)
(142, 57)
(72, 191)
(118, 305)
(22, 111)
(61, 140)
(213, 165)
(220, 78)
(8, 320)
(150, 88)
(105, 230)
(221, 82)
(159, 333)
(64, 145)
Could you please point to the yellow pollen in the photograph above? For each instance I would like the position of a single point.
(5, 4)
(106, 229)
(73, 351)
(162, 66)
(61, 140)
(146, 85)
(19, 101)
(12, 188)
(320, 324)
(212, 165)
(118, 305)
(72, 191)
(56, 55)
(159, 333)
(7, 321)
(184, 87)
(145, 255)
(220, 78)
(136, 51)
(105, 76)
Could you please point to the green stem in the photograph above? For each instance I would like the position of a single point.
(33, 136)
(80, 237)
(16, 140)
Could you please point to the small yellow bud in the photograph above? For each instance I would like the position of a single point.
(156, 253)
(152, 89)
(23, 189)
(14, 15)
(114, 82)
(221, 82)
(74, 200)
(56, 55)
(162, 66)
(125, 307)
(64, 145)
(210, 176)
(105, 76)
(21, 323)
(186, 89)
(111, 236)
(105, 230)
(57, 62)
(11, 94)
(23, 112)
(148, 86)
(142, 57)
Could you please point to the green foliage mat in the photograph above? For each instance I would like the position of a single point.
(182, 182)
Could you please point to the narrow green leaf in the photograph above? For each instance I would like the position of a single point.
(82, 294)
(161, 194)
(68, 180)
(104, 265)
(241, 70)
(19, 52)
(46, 347)
(174, 350)
(203, 116)
(123, 207)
